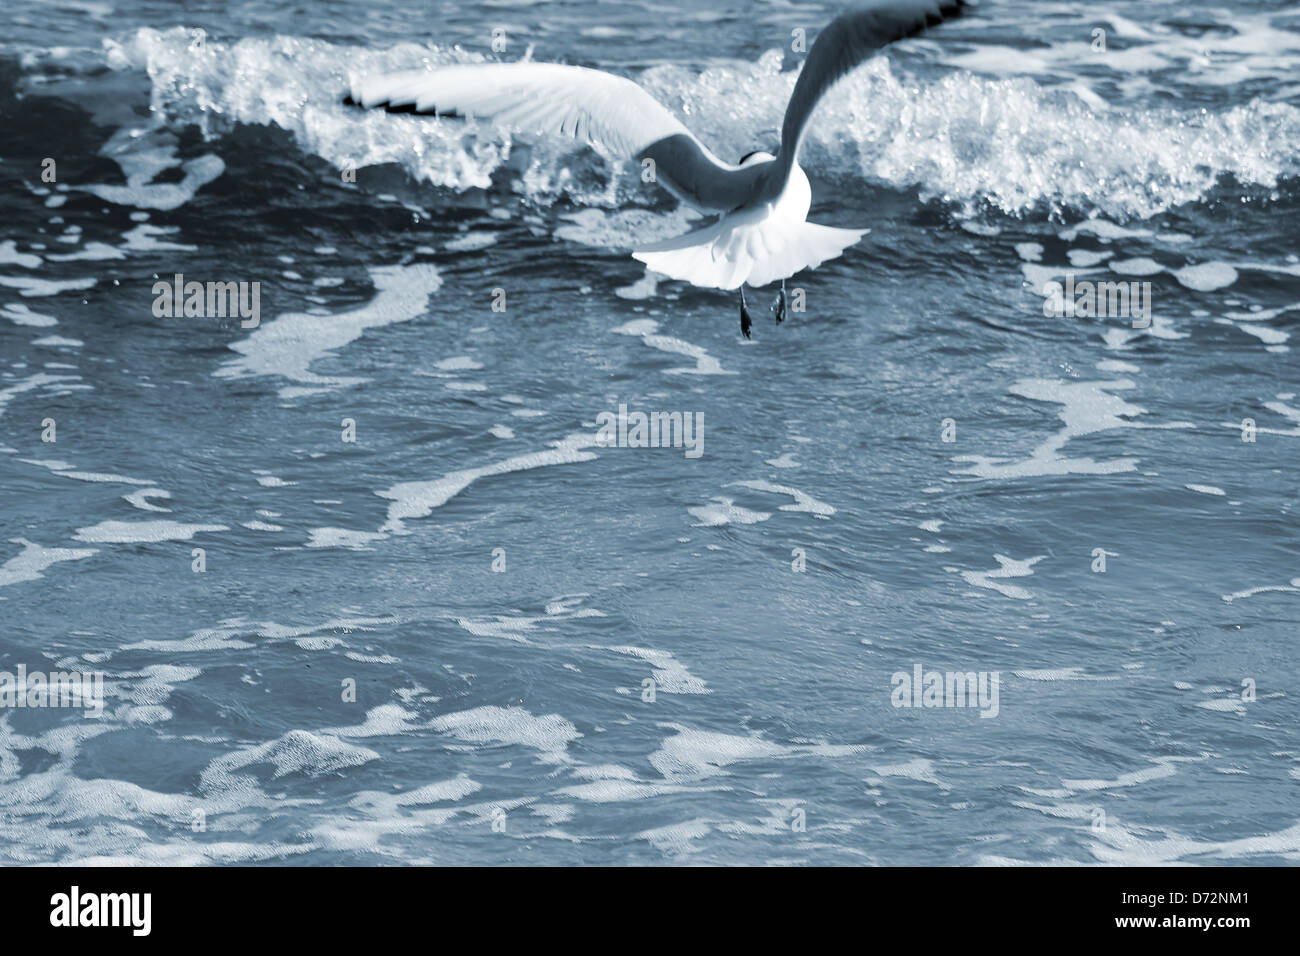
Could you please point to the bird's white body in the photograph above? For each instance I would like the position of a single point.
(755, 245)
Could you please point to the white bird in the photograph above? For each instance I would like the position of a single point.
(762, 234)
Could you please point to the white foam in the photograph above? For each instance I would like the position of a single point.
(1206, 276)
(201, 641)
(1229, 705)
(1113, 365)
(31, 287)
(261, 526)
(570, 606)
(642, 288)
(1007, 568)
(725, 511)
(416, 499)
(319, 643)
(142, 155)
(615, 228)
(38, 380)
(1291, 269)
(702, 753)
(705, 364)
(1163, 767)
(670, 675)
(471, 241)
(1089, 407)
(144, 238)
(549, 734)
(1141, 266)
(296, 752)
(152, 687)
(619, 791)
(386, 720)
(1292, 588)
(787, 460)
(288, 345)
(920, 769)
(1103, 229)
(1087, 257)
(20, 314)
(1058, 673)
(91, 252)
(1273, 337)
(459, 363)
(343, 538)
(140, 499)
(509, 628)
(65, 470)
(386, 804)
(223, 638)
(28, 564)
(675, 838)
(134, 532)
(1162, 327)
(802, 500)
(10, 256)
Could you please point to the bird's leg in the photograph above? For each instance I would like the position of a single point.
(779, 305)
(745, 320)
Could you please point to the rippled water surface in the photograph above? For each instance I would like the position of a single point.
(567, 652)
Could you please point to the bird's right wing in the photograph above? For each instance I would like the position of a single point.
(591, 105)
(844, 43)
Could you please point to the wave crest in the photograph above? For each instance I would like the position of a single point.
(979, 142)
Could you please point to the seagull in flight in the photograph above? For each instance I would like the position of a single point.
(762, 233)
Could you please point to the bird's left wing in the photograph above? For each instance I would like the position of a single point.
(590, 105)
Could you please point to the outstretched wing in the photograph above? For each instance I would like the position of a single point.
(848, 40)
(590, 105)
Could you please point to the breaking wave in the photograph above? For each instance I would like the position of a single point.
(1005, 144)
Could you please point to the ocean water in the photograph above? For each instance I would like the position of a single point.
(363, 586)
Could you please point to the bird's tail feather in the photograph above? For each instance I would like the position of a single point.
(722, 256)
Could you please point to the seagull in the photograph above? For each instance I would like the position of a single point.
(762, 233)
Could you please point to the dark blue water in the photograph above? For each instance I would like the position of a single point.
(436, 621)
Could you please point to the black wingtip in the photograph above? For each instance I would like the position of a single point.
(948, 10)
(405, 108)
